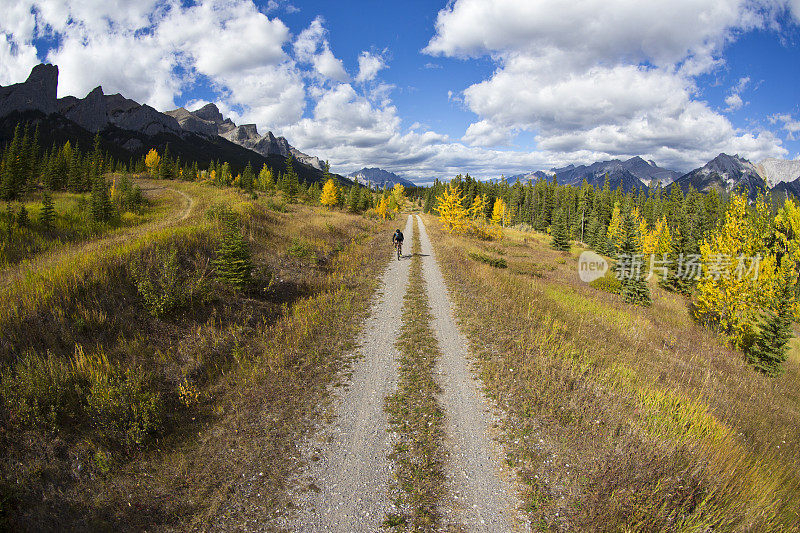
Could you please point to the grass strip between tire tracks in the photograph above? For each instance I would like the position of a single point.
(416, 416)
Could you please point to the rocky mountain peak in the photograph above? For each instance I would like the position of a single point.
(209, 112)
(38, 92)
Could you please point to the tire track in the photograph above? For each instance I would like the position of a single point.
(483, 500)
(353, 471)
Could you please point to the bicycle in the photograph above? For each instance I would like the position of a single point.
(399, 246)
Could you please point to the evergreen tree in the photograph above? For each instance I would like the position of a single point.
(100, 205)
(233, 264)
(768, 352)
(48, 213)
(629, 265)
(23, 220)
(292, 181)
(354, 197)
(248, 178)
(560, 231)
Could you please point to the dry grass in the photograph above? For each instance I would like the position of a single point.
(622, 418)
(239, 375)
(415, 415)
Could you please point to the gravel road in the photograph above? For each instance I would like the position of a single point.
(483, 499)
(353, 471)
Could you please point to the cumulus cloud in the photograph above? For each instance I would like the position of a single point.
(368, 66)
(312, 46)
(788, 123)
(604, 77)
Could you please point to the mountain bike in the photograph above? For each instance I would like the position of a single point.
(399, 246)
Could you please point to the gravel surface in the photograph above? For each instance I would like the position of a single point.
(353, 471)
(483, 499)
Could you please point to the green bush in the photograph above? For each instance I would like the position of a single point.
(123, 407)
(279, 206)
(161, 282)
(608, 283)
(41, 391)
(493, 261)
(300, 248)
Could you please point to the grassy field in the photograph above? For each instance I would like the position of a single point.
(118, 414)
(621, 417)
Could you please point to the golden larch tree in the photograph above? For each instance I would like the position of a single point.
(152, 160)
(452, 213)
(330, 196)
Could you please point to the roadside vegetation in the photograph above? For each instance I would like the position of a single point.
(148, 369)
(620, 416)
(416, 416)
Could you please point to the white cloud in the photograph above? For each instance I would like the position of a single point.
(789, 124)
(484, 133)
(734, 102)
(312, 46)
(608, 77)
(368, 66)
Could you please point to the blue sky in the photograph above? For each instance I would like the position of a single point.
(430, 89)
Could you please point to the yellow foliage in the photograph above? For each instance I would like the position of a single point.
(733, 288)
(152, 160)
(616, 232)
(383, 209)
(452, 214)
(658, 241)
(477, 211)
(330, 196)
(265, 180)
(500, 213)
(399, 197)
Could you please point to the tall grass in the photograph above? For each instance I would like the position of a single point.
(622, 418)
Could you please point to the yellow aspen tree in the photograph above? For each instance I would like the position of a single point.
(266, 180)
(330, 196)
(452, 214)
(152, 160)
(616, 232)
(477, 211)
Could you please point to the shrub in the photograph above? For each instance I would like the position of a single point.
(123, 408)
(607, 283)
(496, 262)
(41, 390)
(300, 248)
(161, 282)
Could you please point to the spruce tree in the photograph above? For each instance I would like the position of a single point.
(560, 231)
(23, 220)
(248, 178)
(629, 265)
(100, 205)
(768, 352)
(48, 213)
(233, 264)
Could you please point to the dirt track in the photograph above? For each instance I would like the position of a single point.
(353, 471)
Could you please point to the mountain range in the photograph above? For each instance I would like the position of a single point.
(128, 129)
(379, 178)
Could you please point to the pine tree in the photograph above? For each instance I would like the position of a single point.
(233, 264)
(23, 220)
(560, 231)
(629, 268)
(354, 197)
(248, 178)
(768, 352)
(100, 205)
(292, 181)
(48, 213)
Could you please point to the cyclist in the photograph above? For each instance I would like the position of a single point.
(397, 241)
